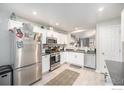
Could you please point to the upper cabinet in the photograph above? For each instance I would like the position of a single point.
(50, 33)
(61, 38)
(12, 24)
(42, 31)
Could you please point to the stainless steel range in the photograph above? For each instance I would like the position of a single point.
(54, 60)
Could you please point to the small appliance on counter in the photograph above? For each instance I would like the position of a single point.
(6, 75)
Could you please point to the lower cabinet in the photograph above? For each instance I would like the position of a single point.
(68, 57)
(63, 57)
(74, 58)
(45, 63)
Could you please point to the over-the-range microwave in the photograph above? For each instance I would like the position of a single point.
(51, 40)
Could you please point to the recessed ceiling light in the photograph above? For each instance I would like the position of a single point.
(34, 13)
(57, 24)
(101, 9)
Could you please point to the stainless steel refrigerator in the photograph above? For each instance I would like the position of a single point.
(25, 55)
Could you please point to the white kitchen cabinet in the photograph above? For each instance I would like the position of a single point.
(50, 33)
(75, 58)
(63, 57)
(70, 57)
(45, 63)
(61, 38)
(79, 59)
(65, 39)
(42, 31)
(12, 24)
(43, 36)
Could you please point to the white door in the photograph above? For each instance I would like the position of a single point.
(110, 44)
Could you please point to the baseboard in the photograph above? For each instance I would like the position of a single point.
(98, 71)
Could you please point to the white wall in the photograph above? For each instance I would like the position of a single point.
(4, 37)
(99, 39)
(85, 34)
(122, 26)
(122, 33)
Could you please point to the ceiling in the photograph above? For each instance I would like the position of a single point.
(68, 15)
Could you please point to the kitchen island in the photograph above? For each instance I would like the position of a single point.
(116, 71)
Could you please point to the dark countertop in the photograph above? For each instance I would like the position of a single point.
(116, 71)
(44, 54)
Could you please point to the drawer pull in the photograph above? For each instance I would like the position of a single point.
(4, 76)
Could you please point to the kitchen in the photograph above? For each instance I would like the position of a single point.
(60, 54)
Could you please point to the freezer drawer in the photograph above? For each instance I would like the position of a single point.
(27, 75)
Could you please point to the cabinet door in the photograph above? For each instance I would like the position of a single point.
(44, 36)
(12, 24)
(65, 40)
(65, 56)
(79, 59)
(42, 31)
(62, 57)
(71, 57)
(45, 63)
(59, 38)
(50, 33)
(68, 57)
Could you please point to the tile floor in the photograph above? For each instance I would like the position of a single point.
(86, 77)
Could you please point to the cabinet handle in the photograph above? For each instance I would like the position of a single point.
(4, 76)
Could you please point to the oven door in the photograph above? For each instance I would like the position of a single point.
(57, 58)
(52, 59)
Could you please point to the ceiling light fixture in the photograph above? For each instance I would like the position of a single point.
(77, 31)
(101, 9)
(34, 13)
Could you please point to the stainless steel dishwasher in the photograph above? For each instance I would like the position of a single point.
(6, 75)
(90, 60)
